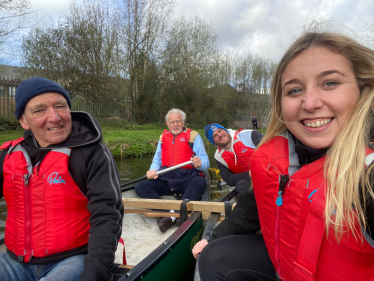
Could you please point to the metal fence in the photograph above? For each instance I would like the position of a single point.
(7, 92)
(107, 108)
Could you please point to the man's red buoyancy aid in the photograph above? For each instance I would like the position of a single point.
(47, 212)
(242, 161)
(291, 201)
(176, 149)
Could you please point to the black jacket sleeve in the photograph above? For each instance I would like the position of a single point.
(369, 210)
(105, 206)
(229, 177)
(256, 137)
(370, 217)
(2, 157)
(242, 220)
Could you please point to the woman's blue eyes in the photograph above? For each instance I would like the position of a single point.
(294, 91)
(329, 84)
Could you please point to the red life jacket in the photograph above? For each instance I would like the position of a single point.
(47, 212)
(176, 149)
(238, 161)
(291, 201)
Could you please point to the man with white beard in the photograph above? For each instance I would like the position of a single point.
(177, 145)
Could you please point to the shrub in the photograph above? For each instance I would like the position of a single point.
(7, 124)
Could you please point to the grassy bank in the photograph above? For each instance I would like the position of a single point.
(121, 142)
(135, 141)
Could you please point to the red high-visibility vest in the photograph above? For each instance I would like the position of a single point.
(242, 161)
(47, 212)
(291, 201)
(176, 149)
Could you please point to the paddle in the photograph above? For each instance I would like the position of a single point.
(158, 173)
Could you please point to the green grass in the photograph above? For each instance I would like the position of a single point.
(131, 143)
(135, 143)
(10, 135)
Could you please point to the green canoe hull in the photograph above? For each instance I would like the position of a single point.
(173, 258)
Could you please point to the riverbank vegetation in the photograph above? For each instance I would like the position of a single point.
(123, 139)
(121, 142)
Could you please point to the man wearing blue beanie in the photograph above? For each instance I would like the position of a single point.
(60, 184)
(33, 87)
(233, 154)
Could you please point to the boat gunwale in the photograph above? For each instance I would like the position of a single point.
(145, 265)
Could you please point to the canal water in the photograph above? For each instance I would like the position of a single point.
(132, 168)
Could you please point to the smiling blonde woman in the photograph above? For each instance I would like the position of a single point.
(311, 174)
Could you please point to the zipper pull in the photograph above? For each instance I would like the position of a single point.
(26, 177)
(279, 201)
(282, 186)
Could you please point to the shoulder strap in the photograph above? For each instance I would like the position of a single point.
(77, 168)
(192, 134)
(236, 137)
(11, 143)
(162, 136)
(311, 238)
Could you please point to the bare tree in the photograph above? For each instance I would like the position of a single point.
(15, 15)
(133, 49)
(91, 48)
(144, 26)
(81, 53)
(190, 56)
(369, 32)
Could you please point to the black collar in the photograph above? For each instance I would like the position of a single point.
(307, 154)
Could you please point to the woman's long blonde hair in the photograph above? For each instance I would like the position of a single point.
(348, 185)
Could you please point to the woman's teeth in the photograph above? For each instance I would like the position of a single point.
(318, 123)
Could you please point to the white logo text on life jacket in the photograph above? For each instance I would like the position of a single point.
(53, 178)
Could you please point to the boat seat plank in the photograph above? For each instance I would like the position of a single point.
(150, 213)
(126, 266)
(156, 214)
(198, 206)
(119, 270)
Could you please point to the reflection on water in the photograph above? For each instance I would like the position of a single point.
(132, 168)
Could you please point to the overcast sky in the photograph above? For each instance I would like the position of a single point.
(263, 27)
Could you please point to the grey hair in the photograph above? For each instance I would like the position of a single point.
(175, 110)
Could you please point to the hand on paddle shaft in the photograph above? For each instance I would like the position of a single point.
(152, 174)
(196, 161)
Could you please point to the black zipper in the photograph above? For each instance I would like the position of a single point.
(282, 186)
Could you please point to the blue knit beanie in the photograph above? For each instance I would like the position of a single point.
(33, 87)
(209, 130)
